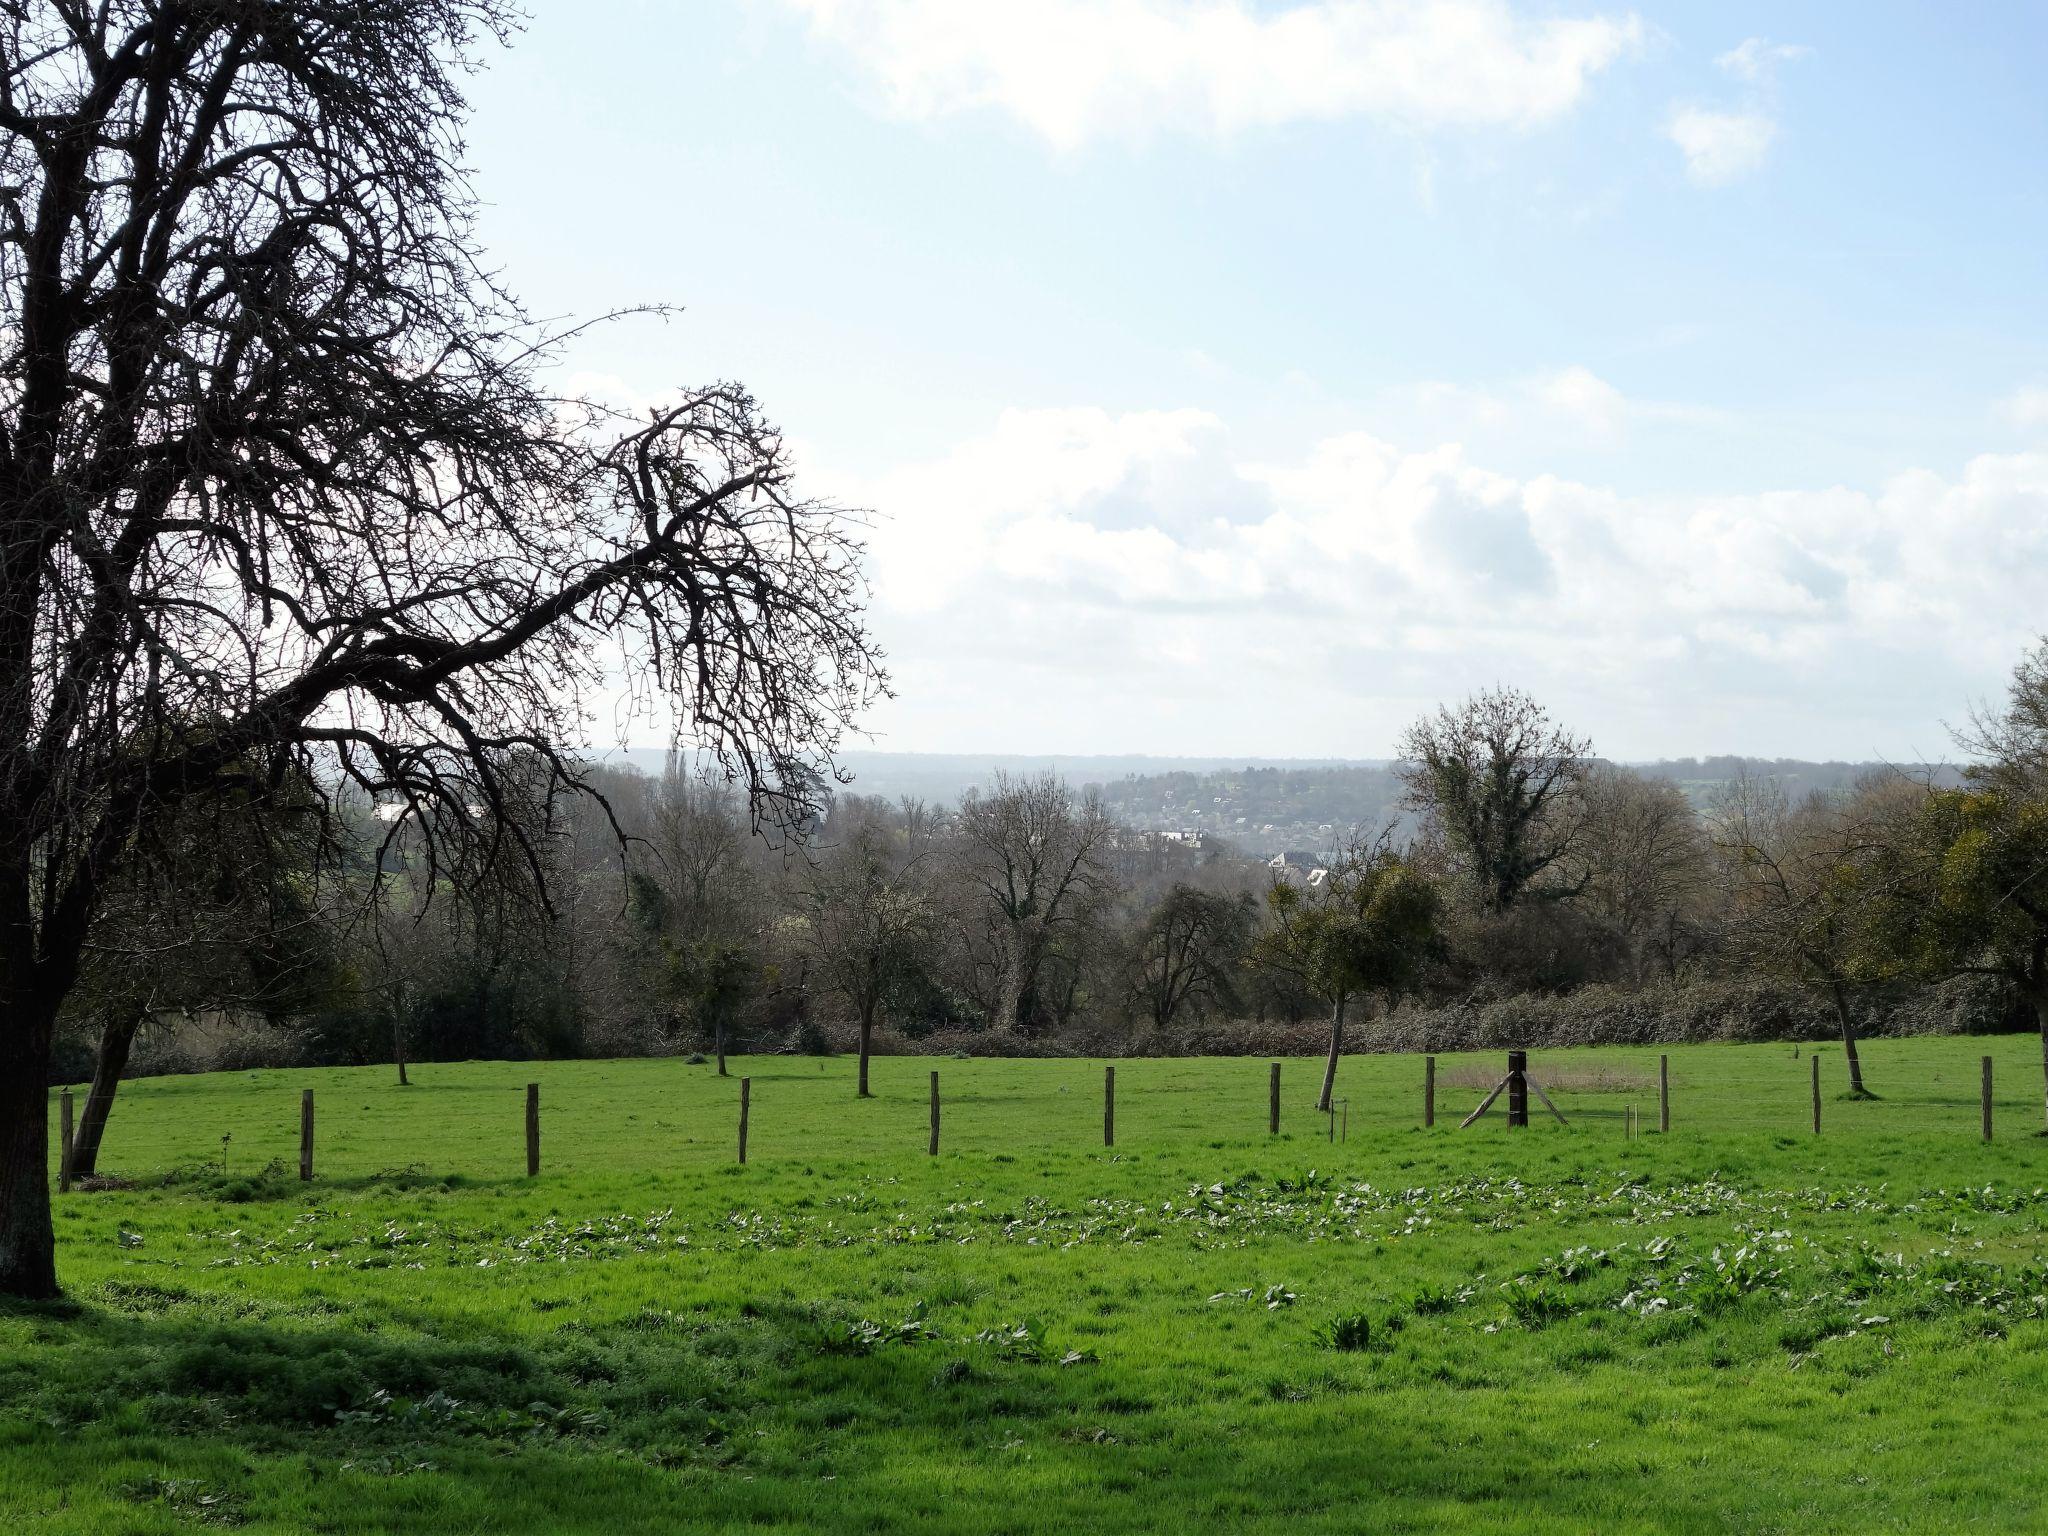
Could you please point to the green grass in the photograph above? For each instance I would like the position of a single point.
(1739, 1327)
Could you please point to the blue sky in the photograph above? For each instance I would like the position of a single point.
(1237, 377)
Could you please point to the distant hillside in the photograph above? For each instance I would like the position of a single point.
(1288, 808)
(943, 777)
(1264, 805)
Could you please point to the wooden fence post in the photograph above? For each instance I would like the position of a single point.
(1987, 1098)
(65, 1142)
(532, 1129)
(933, 1149)
(1273, 1102)
(746, 1099)
(1518, 1088)
(1816, 1093)
(1428, 1091)
(1109, 1106)
(306, 1135)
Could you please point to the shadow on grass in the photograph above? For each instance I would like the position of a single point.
(145, 1408)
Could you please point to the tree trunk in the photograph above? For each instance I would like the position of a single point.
(28, 1244)
(1010, 983)
(718, 1044)
(867, 1028)
(109, 1062)
(1848, 1024)
(2041, 1017)
(398, 1046)
(1336, 1046)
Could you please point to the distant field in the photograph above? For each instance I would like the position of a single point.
(1737, 1328)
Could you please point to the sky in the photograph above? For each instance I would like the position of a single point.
(1248, 376)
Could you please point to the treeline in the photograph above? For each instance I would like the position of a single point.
(1547, 895)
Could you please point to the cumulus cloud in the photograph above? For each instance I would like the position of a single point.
(1073, 70)
(1722, 144)
(1756, 59)
(1720, 147)
(1130, 581)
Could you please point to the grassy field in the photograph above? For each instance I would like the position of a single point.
(1740, 1327)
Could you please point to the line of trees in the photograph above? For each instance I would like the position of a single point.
(1025, 919)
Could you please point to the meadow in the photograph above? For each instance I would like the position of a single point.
(1738, 1327)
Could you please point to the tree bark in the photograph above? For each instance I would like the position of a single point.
(1010, 984)
(1848, 1023)
(1336, 1047)
(28, 1245)
(109, 1062)
(718, 1045)
(398, 1046)
(867, 1028)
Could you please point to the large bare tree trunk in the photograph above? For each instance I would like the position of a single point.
(867, 1029)
(1848, 1023)
(1336, 1048)
(398, 1046)
(109, 1062)
(28, 1245)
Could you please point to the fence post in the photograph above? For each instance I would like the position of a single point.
(1109, 1106)
(1273, 1103)
(746, 1099)
(1428, 1091)
(65, 1142)
(532, 1129)
(933, 1149)
(306, 1135)
(1815, 1059)
(1664, 1095)
(1518, 1088)
(1987, 1098)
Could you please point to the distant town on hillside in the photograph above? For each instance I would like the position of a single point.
(1271, 805)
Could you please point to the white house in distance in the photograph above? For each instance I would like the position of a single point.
(1306, 868)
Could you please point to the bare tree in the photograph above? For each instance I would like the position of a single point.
(219, 917)
(1037, 858)
(282, 491)
(1799, 906)
(1502, 785)
(1189, 950)
(1646, 862)
(869, 924)
(695, 890)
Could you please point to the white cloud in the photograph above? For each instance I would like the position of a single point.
(1073, 70)
(2027, 407)
(1721, 147)
(1571, 404)
(1089, 581)
(1585, 397)
(1756, 59)
(1722, 144)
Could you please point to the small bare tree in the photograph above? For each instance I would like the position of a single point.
(1647, 864)
(221, 917)
(1799, 905)
(869, 924)
(1038, 859)
(283, 493)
